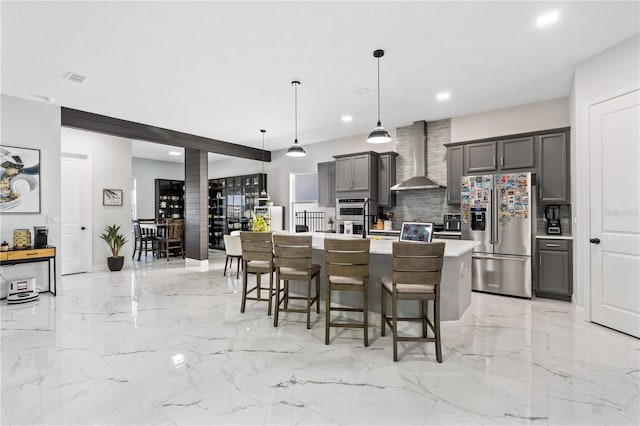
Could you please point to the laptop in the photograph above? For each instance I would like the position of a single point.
(416, 232)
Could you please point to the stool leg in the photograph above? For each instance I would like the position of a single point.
(238, 267)
(383, 309)
(365, 311)
(424, 313)
(436, 319)
(327, 310)
(318, 293)
(309, 304)
(394, 308)
(244, 290)
(226, 261)
(270, 291)
(275, 314)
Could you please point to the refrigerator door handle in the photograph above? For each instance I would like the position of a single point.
(494, 218)
(518, 258)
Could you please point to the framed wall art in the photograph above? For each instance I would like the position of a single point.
(19, 180)
(112, 197)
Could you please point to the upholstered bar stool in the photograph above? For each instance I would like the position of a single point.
(417, 269)
(293, 263)
(257, 258)
(346, 268)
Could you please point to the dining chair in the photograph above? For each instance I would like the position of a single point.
(293, 263)
(142, 241)
(346, 268)
(233, 249)
(257, 258)
(417, 270)
(173, 240)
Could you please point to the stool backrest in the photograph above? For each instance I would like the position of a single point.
(417, 263)
(347, 258)
(232, 245)
(292, 251)
(256, 246)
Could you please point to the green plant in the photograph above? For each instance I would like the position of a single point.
(260, 223)
(330, 221)
(114, 239)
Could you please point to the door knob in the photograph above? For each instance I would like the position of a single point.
(83, 228)
(595, 240)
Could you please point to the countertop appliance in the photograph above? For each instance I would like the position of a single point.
(451, 222)
(499, 212)
(40, 236)
(552, 214)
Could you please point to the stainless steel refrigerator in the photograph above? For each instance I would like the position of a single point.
(499, 212)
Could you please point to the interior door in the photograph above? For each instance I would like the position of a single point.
(614, 141)
(76, 214)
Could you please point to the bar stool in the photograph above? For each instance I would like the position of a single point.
(417, 269)
(346, 268)
(293, 263)
(257, 258)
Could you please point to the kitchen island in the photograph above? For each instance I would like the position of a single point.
(455, 294)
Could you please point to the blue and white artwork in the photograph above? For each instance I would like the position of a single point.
(19, 180)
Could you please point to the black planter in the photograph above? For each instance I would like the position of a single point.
(115, 263)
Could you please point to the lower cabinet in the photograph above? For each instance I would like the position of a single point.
(554, 277)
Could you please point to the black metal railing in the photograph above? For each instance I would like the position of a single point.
(309, 221)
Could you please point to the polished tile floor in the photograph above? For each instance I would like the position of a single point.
(161, 344)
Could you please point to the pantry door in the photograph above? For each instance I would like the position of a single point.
(614, 149)
(76, 214)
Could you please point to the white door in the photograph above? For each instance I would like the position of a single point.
(76, 214)
(614, 144)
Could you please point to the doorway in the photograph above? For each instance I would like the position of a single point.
(76, 214)
(614, 152)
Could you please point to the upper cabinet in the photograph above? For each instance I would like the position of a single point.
(553, 168)
(455, 170)
(357, 175)
(327, 184)
(480, 157)
(516, 153)
(545, 153)
(386, 179)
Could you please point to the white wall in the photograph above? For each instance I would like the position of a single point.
(145, 173)
(36, 125)
(110, 162)
(549, 114)
(606, 74)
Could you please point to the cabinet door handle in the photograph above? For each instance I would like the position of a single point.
(539, 260)
(494, 161)
(501, 161)
(553, 245)
(540, 193)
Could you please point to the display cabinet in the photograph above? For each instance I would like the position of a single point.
(169, 199)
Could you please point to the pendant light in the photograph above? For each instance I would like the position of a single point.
(379, 134)
(263, 194)
(296, 150)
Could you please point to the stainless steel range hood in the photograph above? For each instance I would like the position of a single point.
(419, 179)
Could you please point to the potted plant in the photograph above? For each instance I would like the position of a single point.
(115, 240)
(330, 222)
(260, 223)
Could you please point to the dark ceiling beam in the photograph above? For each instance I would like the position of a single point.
(144, 132)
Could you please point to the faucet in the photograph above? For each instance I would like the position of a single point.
(365, 215)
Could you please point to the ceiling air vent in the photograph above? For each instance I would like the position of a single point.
(75, 77)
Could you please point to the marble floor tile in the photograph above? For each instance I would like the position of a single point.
(159, 343)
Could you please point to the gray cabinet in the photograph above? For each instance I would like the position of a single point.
(553, 168)
(480, 157)
(357, 175)
(517, 153)
(554, 277)
(327, 184)
(386, 179)
(455, 170)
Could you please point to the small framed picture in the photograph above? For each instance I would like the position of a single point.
(112, 197)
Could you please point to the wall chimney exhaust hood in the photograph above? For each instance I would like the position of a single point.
(419, 179)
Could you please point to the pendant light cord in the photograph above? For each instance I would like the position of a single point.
(378, 91)
(295, 88)
(263, 132)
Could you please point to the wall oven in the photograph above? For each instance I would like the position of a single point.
(350, 209)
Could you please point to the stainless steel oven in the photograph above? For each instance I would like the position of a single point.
(350, 209)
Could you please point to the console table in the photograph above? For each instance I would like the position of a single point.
(31, 255)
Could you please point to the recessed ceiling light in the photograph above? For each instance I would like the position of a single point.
(362, 91)
(443, 96)
(547, 19)
(347, 118)
(176, 153)
(48, 99)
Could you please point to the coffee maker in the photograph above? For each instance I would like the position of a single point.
(552, 214)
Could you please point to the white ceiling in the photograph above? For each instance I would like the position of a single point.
(223, 69)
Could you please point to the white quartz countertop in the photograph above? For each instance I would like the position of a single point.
(382, 245)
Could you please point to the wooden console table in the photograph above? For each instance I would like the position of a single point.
(43, 254)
